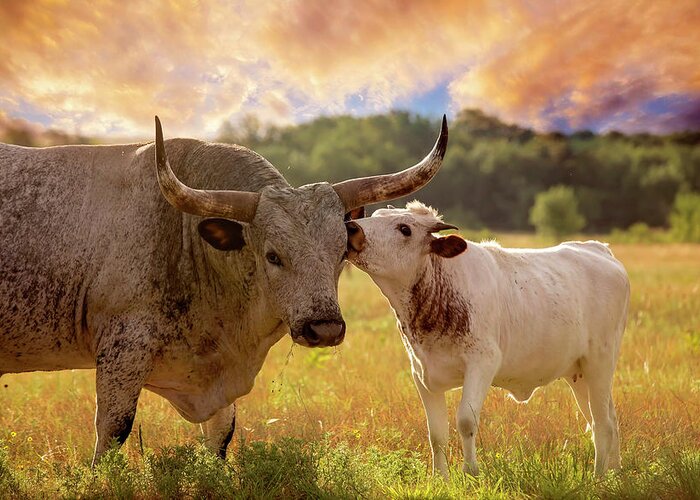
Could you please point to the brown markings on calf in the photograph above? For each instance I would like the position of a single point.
(436, 307)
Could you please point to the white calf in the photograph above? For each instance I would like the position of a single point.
(475, 315)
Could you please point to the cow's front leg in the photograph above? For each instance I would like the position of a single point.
(122, 368)
(218, 430)
(477, 381)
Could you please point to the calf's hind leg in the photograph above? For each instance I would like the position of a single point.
(605, 428)
(579, 388)
(614, 460)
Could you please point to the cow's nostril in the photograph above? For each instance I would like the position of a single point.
(341, 335)
(310, 334)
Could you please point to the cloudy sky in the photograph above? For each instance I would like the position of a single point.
(105, 67)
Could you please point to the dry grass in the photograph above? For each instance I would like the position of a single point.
(361, 394)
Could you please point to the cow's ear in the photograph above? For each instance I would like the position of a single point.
(222, 234)
(356, 213)
(448, 246)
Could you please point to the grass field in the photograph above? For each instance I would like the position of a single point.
(347, 422)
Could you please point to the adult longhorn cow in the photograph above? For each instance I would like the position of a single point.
(97, 270)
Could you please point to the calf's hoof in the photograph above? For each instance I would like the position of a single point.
(442, 473)
(471, 469)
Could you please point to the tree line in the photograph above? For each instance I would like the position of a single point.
(492, 170)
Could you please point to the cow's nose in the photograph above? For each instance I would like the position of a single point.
(356, 236)
(324, 333)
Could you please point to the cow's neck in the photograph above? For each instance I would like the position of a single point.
(228, 309)
(224, 335)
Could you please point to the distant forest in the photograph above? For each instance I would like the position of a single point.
(492, 171)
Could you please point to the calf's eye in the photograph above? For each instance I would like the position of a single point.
(273, 258)
(405, 230)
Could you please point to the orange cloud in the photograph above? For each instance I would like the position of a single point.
(110, 65)
(106, 67)
(587, 62)
(381, 49)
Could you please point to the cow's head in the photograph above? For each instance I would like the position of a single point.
(395, 242)
(297, 235)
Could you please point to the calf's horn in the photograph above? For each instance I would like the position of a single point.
(237, 205)
(356, 193)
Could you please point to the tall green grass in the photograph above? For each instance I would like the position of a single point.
(295, 469)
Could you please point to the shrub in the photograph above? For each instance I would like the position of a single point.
(638, 232)
(685, 218)
(555, 212)
(285, 469)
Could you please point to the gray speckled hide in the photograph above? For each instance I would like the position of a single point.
(97, 270)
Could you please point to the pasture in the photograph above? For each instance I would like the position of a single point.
(347, 422)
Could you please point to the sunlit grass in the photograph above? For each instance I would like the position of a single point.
(352, 413)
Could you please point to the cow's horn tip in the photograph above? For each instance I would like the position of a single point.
(441, 145)
(159, 130)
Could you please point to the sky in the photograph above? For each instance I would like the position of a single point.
(105, 67)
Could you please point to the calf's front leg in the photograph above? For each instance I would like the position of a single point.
(219, 429)
(477, 381)
(438, 425)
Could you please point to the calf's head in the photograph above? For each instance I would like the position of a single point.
(395, 242)
(297, 235)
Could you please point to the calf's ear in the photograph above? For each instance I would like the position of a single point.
(222, 234)
(356, 213)
(448, 246)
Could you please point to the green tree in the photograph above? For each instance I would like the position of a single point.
(555, 212)
(685, 218)
(492, 170)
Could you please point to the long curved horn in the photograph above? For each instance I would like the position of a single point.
(356, 193)
(237, 205)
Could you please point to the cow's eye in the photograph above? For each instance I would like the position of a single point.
(273, 258)
(405, 230)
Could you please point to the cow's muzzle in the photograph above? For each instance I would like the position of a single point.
(321, 333)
